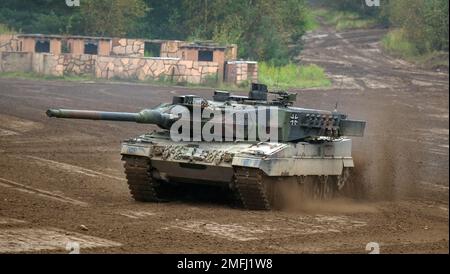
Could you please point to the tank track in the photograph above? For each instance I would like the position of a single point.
(252, 187)
(138, 172)
(251, 190)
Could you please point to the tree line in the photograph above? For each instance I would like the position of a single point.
(264, 29)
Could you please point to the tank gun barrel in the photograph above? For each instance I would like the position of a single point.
(93, 115)
(146, 116)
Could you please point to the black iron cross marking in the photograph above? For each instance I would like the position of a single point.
(294, 119)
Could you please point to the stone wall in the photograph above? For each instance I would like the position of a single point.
(171, 49)
(9, 42)
(107, 67)
(241, 71)
(128, 47)
(37, 62)
(83, 64)
(15, 61)
(155, 68)
(53, 64)
(196, 72)
(47, 64)
(124, 58)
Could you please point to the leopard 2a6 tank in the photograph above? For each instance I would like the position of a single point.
(306, 148)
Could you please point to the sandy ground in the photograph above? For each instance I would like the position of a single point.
(62, 181)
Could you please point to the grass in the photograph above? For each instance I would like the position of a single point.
(162, 81)
(311, 20)
(343, 20)
(396, 43)
(209, 82)
(292, 76)
(289, 76)
(5, 30)
(36, 76)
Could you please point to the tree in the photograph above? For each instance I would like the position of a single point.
(111, 17)
(425, 22)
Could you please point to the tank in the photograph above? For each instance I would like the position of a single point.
(263, 151)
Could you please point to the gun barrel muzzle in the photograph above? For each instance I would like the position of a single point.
(93, 115)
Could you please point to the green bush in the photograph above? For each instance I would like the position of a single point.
(311, 20)
(425, 22)
(5, 30)
(292, 76)
(346, 24)
(395, 42)
(345, 20)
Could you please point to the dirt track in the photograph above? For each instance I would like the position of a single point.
(57, 175)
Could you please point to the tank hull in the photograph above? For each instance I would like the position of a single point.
(249, 169)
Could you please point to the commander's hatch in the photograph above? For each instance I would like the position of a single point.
(189, 100)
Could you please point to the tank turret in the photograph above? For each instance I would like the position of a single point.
(293, 124)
